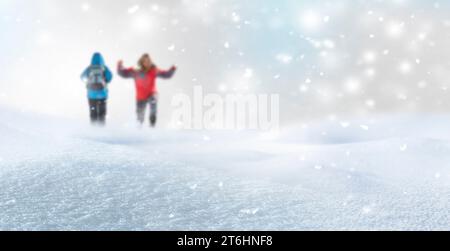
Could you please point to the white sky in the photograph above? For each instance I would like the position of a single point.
(325, 58)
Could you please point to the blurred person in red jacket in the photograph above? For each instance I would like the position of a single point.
(145, 81)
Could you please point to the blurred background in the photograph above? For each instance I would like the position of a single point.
(327, 59)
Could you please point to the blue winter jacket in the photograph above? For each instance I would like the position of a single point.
(97, 60)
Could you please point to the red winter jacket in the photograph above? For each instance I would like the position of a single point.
(145, 81)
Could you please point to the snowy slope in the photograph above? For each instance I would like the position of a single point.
(64, 175)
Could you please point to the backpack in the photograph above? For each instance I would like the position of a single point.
(96, 78)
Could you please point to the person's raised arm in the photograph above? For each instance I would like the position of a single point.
(167, 74)
(125, 72)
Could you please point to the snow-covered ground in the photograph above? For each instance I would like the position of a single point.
(389, 174)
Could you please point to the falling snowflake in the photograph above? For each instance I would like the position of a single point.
(403, 148)
(133, 9)
(284, 58)
(318, 167)
(85, 7)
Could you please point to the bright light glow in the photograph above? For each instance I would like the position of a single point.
(371, 72)
(395, 29)
(311, 20)
(235, 17)
(44, 39)
(142, 23)
(155, 7)
(370, 56)
(405, 67)
(85, 7)
(370, 103)
(304, 88)
(133, 9)
(284, 58)
(352, 85)
(329, 44)
(248, 73)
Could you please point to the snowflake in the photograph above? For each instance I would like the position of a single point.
(85, 7)
(284, 58)
(133, 9)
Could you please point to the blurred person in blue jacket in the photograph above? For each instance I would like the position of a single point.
(97, 76)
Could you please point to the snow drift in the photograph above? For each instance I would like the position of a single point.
(389, 174)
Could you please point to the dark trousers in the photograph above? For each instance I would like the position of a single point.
(141, 106)
(97, 110)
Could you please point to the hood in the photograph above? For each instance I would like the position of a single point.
(97, 59)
